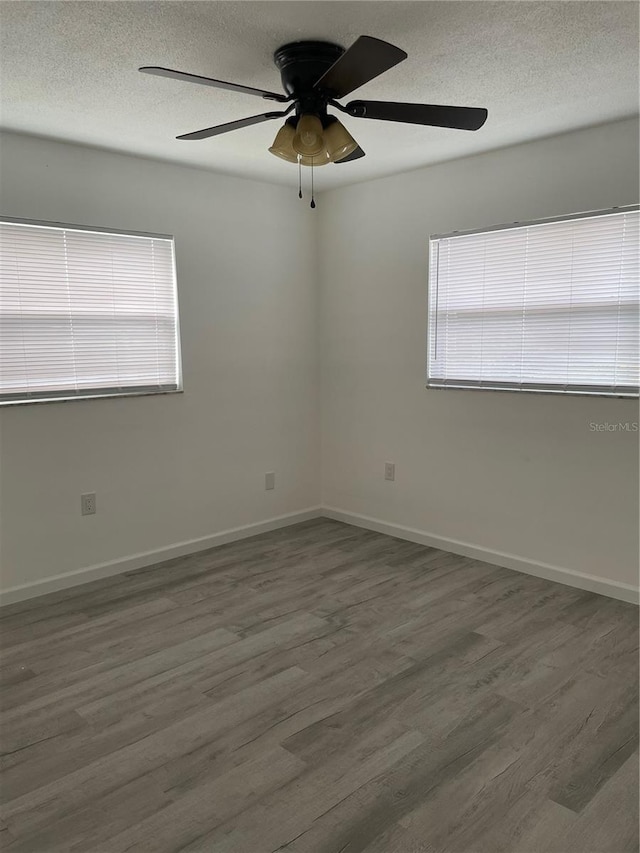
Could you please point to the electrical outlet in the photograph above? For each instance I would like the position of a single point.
(88, 503)
(389, 470)
(270, 481)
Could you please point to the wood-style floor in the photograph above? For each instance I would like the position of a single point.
(320, 689)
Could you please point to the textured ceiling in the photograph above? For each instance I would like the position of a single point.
(68, 70)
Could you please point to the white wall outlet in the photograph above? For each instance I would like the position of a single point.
(389, 470)
(270, 481)
(88, 503)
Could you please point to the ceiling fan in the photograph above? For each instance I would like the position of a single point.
(314, 74)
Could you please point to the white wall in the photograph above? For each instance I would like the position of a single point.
(170, 468)
(515, 473)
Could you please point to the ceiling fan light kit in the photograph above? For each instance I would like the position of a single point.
(314, 75)
(333, 142)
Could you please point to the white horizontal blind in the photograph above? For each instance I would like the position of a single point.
(85, 313)
(550, 306)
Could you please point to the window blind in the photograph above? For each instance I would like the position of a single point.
(548, 306)
(85, 313)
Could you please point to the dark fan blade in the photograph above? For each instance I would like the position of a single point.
(463, 118)
(230, 125)
(365, 59)
(355, 155)
(209, 81)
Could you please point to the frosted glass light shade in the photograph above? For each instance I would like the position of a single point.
(308, 140)
(283, 143)
(338, 141)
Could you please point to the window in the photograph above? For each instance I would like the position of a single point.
(542, 306)
(85, 313)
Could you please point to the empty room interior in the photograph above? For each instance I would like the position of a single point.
(319, 368)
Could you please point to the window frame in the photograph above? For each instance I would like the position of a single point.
(535, 388)
(67, 395)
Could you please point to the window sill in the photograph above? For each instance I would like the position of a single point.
(78, 398)
(560, 392)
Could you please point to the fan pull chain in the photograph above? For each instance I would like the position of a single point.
(299, 176)
(313, 201)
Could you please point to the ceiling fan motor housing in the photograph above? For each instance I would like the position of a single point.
(301, 65)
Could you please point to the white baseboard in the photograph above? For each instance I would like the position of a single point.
(148, 558)
(613, 589)
(569, 577)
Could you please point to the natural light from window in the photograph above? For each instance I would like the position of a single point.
(546, 306)
(85, 313)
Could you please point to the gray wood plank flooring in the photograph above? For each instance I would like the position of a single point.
(320, 689)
